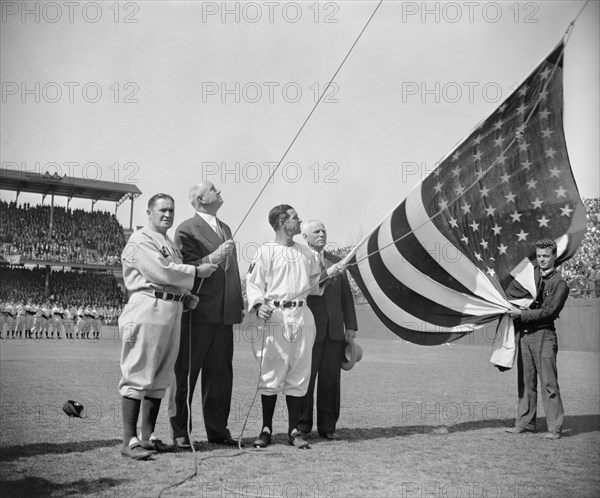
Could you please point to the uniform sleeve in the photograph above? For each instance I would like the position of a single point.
(551, 307)
(256, 283)
(156, 269)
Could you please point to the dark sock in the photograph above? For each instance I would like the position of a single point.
(130, 412)
(294, 406)
(150, 408)
(268, 409)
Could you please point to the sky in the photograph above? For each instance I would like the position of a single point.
(168, 94)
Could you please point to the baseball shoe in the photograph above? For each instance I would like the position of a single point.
(228, 441)
(517, 430)
(553, 435)
(332, 436)
(297, 439)
(136, 452)
(157, 445)
(263, 440)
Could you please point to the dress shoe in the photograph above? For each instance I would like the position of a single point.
(263, 440)
(136, 452)
(228, 441)
(182, 444)
(517, 430)
(332, 436)
(298, 440)
(553, 435)
(157, 445)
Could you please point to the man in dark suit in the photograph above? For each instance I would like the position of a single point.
(208, 344)
(335, 320)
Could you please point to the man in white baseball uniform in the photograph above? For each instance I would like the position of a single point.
(40, 320)
(30, 312)
(277, 285)
(56, 321)
(150, 323)
(81, 323)
(96, 321)
(6, 320)
(69, 324)
(36, 329)
(20, 320)
(10, 319)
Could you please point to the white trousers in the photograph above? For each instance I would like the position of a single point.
(149, 329)
(283, 344)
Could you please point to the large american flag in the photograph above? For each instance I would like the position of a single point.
(437, 266)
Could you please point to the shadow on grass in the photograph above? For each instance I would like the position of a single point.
(574, 425)
(28, 450)
(37, 486)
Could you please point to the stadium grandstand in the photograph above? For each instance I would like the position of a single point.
(62, 259)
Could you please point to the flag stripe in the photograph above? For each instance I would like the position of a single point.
(397, 320)
(417, 306)
(461, 268)
(424, 287)
(420, 255)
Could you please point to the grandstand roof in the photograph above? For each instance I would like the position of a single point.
(66, 186)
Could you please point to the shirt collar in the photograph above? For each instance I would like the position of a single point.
(209, 218)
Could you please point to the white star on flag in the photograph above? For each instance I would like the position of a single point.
(543, 221)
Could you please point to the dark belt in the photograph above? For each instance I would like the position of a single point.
(167, 296)
(288, 304)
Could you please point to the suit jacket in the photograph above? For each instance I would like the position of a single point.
(221, 293)
(333, 311)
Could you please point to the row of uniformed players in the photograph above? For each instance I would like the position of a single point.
(45, 320)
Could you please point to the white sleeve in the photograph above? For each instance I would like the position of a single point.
(256, 283)
(154, 267)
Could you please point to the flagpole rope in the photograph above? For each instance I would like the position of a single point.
(307, 118)
(577, 16)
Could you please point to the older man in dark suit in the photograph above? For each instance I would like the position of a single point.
(207, 344)
(335, 320)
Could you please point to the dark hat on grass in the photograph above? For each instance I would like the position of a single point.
(73, 408)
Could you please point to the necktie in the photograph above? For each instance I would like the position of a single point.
(219, 230)
(321, 261)
(222, 236)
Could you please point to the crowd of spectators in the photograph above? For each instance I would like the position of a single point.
(70, 288)
(77, 236)
(582, 272)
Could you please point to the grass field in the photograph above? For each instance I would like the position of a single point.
(415, 422)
